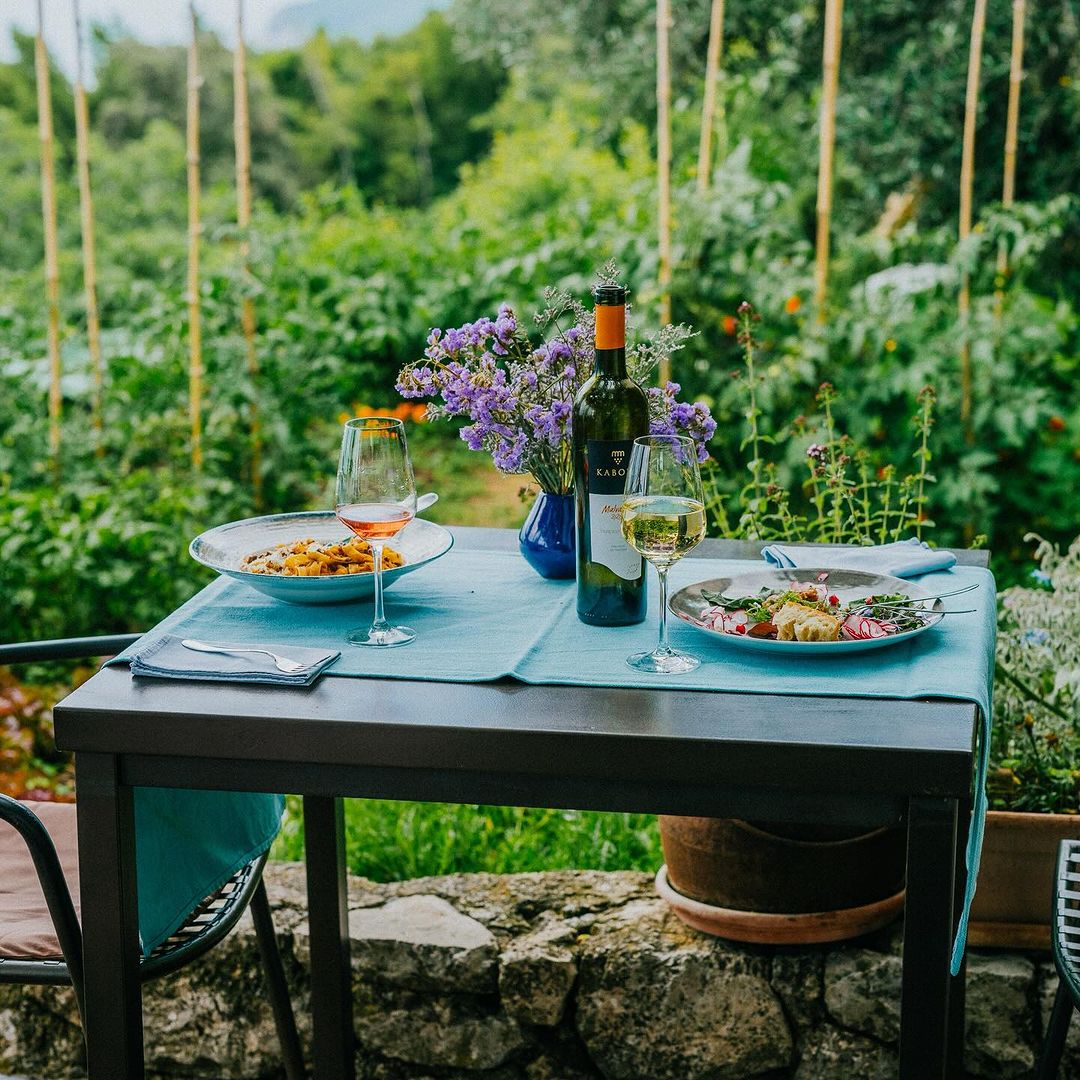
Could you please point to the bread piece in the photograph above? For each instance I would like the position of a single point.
(818, 627)
(797, 622)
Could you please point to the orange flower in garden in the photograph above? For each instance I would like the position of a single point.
(404, 410)
(890, 344)
(730, 325)
(1056, 423)
(792, 304)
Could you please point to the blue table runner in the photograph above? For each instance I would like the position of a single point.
(485, 615)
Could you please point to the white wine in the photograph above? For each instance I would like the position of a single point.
(611, 411)
(663, 528)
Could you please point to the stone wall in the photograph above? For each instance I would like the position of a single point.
(559, 976)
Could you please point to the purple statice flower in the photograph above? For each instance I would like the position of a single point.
(670, 417)
(517, 398)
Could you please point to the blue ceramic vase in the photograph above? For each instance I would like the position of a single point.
(547, 537)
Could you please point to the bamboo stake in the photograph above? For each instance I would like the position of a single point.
(830, 65)
(1012, 123)
(48, 214)
(242, 140)
(663, 165)
(708, 105)
(967, 183)
(86, 215)
(424, 141)
(195, 366)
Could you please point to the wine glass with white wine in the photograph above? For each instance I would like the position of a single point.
(663, 517)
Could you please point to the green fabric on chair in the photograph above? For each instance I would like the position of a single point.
(188, 844)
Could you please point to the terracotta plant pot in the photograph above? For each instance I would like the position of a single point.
(1012, 902)
(822, 883)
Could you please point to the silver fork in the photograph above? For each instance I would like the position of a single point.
(282, 663)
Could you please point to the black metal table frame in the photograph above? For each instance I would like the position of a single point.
(797, 759)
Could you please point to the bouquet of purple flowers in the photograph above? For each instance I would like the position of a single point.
(518, 396)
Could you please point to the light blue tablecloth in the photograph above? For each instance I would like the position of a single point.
(481, 616)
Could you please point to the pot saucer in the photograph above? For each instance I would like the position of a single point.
(763, 928)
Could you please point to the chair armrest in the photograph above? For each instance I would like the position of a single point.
(78, 648)
(53, 884)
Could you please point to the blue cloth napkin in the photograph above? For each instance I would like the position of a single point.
(904, 558)
(188, 844)
(482, 615)
(168, 658)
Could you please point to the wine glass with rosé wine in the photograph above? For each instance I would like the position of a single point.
(376, 498)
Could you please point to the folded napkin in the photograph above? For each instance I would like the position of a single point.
(905, 558)
(167, 658)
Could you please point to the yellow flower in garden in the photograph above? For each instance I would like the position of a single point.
(1065, 80)
(890, 344)
(792, 304)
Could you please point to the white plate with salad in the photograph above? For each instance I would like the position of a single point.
(815, 612)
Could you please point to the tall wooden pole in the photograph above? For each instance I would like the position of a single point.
(1012, 123)
(830, 65)
(195, 367)
(48, 215)
(708, 105)
(663, 165)
(86, 216)
(967, 185)
(242, 139)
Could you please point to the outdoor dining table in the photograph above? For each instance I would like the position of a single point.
(665, 750)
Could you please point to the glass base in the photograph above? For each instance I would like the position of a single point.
(385, 637)
(663, 662)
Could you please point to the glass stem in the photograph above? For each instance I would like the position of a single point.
(379, 622)
(662, 645)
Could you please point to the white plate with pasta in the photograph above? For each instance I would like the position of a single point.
(311, 558)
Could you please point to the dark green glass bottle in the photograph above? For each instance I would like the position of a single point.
(610, 412)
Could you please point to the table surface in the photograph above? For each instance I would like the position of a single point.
(413, 736)
(828, 759)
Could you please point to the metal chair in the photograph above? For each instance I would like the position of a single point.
(1065, 930)
(207, 924)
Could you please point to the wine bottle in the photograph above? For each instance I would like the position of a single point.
(609, 413)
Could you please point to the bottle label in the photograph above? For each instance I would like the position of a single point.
(606, 461)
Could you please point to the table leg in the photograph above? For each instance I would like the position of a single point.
(328, 923)
(110, 921)
(928, 924)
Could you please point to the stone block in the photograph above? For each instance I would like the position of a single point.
(862, 992)
(437, 1032)
(999, 1031)
(423, 942)
(797, 978)
(832, 1054)
(537, 972)
(657, 1000)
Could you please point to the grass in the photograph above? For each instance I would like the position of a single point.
(471, 490)
(390, 841)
